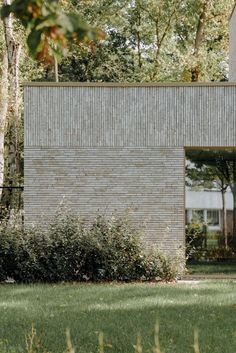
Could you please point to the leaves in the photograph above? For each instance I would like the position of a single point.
(50, 29)
(34, 39)
(160, 37)
(5, 11)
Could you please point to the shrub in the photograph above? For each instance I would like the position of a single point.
(56, 253)
(220, 254)
(196, 233)
(21, 251)
(65, 237)
(112, 250)
(10, 242)
(70, 250)
(164, 266)
(40, 254)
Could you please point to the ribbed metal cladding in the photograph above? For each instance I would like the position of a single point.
(130, 116)
(119, 148)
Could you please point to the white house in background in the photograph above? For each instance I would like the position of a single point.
(207, 206)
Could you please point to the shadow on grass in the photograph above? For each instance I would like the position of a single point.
(121, 312)
(204, 268)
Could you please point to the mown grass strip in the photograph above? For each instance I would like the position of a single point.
(121, 312)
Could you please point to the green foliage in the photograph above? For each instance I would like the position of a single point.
(62, 256)
(199, 177)
(49, 28)
(221, 166)
(39, 254)
(164, 266)
(212, 165)
(9, 248)
(113, 250)
(195, 233)
(110, 60)
(161, 39)
(220, 254)
(70, 250)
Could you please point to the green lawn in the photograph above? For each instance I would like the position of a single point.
(121, 311)
(212, 268)
(212, 243)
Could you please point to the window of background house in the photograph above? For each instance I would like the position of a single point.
(213, 218)
(198, 215)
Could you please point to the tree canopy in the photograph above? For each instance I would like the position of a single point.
(164, 40)
(216, 164)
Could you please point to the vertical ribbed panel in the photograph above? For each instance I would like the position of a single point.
(130, 116)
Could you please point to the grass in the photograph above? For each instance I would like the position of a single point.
(121, 312)
(211, 268)
(212, 243)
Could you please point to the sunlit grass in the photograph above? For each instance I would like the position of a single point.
(121, 312)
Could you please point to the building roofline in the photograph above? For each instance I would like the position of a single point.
(126, 84)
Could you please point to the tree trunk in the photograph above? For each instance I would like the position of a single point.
(224, 218)
(13, 112)
(138, 36)
(195, 71)
(13, 56)
(3, 113)
(234, 203)
(56, 69)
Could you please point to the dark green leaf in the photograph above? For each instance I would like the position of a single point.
(34, 40)
(5, 11)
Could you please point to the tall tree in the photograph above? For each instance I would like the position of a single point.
(224, 164)
(49, 30)
(168, 40)
(199, 175)
(3, 102)
(202, 39)
(11, 97)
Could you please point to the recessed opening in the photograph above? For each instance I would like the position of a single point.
(210, 206)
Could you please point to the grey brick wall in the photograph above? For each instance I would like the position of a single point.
(148, 182)
(116, 148)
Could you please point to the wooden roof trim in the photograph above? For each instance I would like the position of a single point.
(123, 85)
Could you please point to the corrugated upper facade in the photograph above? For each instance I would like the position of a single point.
(117, 147)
